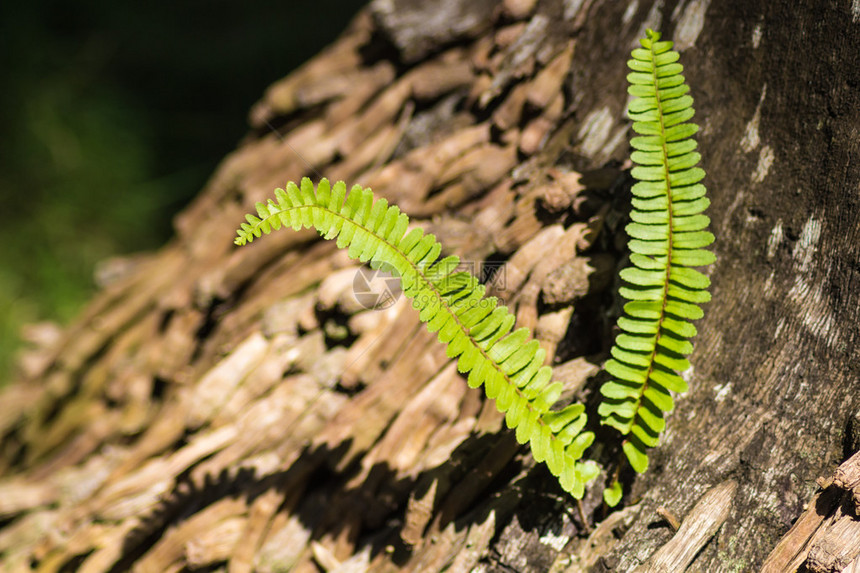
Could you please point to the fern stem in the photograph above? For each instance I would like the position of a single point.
(395, 252)
(671, 225)
(464, 329)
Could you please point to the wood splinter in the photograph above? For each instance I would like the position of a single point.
(826, 537)
(669, 518)
(701, 523)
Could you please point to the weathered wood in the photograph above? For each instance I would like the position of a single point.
(698, 527)
(826, 538)
(240, 409)
(847, 477)
(836, 551)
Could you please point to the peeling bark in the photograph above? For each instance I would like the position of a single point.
(239, 409)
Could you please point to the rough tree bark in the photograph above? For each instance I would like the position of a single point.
(235, 409)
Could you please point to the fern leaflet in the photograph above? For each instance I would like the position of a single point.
(667, 239)
(475, 328)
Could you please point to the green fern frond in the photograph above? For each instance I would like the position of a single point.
(476, 330)
(667, 238)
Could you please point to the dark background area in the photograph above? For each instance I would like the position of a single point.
(112, 117)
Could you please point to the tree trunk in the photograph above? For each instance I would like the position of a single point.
(240, 409)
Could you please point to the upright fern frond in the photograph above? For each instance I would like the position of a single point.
(474, 328)
(667, 239)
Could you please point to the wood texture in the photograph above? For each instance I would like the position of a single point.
(230, 409)
(706, 517)
(826, 538)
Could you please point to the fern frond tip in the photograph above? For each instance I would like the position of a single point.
(652, 35)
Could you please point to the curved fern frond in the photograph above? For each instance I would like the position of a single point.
(476, 330)
(667, 239)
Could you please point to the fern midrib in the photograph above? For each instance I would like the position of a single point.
(671, 223)
(397, 252)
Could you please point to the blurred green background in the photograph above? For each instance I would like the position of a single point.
(112, 117)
